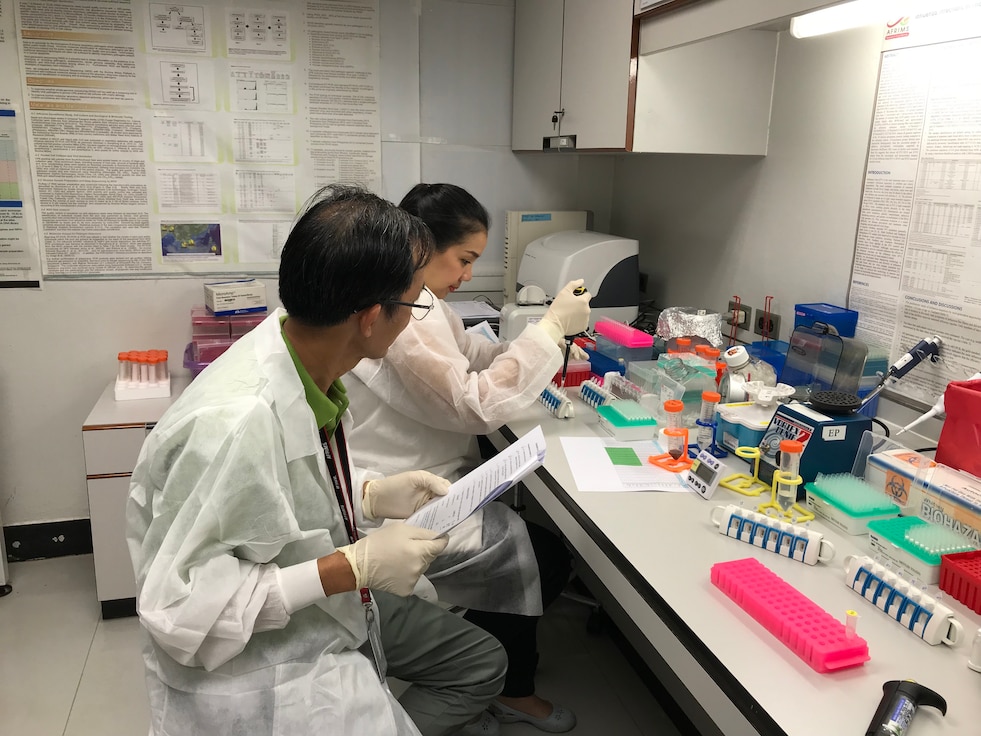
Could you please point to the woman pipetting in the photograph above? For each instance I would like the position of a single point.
(422, 406)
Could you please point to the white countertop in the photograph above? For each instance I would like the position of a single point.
(671, 543)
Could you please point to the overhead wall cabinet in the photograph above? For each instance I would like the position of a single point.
(572, 73)
(592, 76)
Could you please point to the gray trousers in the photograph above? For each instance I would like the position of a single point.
(455, 668)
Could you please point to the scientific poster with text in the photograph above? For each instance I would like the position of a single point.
(172, 138)
(917, 268)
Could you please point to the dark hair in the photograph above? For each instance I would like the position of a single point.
(348, 250)
(449, 211)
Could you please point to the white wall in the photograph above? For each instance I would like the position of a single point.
(446, 111)
(783, 225)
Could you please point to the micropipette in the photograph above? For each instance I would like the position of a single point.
(578, 291)
(937, 410)
(928, 347)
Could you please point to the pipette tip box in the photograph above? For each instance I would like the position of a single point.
(627, 420)
(847, 503)
(810, 632)
(915, 546)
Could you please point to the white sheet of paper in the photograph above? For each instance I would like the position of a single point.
(594, 470)
(482, 484)
(473, 309)
(484, 329)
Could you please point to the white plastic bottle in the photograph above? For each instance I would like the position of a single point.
(743, 368)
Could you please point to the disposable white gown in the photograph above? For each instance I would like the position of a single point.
(421, 407)
(229, 485)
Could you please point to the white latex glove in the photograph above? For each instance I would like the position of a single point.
(393, 558)
(401, 495)
(568, 314)
(576, 353)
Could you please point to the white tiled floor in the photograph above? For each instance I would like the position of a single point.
(65, 672)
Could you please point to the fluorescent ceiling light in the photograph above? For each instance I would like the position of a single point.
(848, 15)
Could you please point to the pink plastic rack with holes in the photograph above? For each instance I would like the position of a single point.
(808, 630)
(623, 334)
(960, 575)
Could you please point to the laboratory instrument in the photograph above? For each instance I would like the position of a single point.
(522, 227)
(529, 307)
(810, 632)
(743, 423)
(927, 348)
(609, 264)
(898, 706)
(704, 474)
(785, 539)
(829, 428)
(557, 402)
(920, 613)
(743, 368)
(847, 503)
(789, 477)
(937, 410)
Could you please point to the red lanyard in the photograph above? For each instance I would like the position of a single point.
(344, 500)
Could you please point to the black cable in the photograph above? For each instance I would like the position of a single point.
(884, 427)
(926, 449)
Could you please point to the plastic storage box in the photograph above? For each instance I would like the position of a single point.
(206, 324)
(842, 319)
(960, 575)
(576, 372)
(616, 351)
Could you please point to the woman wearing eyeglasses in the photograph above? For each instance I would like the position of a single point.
(422, 406)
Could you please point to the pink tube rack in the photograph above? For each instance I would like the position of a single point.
(623, 334)
(808, 630)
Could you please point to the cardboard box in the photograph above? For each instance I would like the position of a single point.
(235, 297)
(933, 492)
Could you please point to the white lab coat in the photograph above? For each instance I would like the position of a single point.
(421, 407)
(229, 485)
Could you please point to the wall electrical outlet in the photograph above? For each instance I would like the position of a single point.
(774, 327)
(747, 311)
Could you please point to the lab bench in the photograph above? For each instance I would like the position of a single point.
(112, 436)
(647, 556)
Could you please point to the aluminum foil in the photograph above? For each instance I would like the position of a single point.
(690, 322)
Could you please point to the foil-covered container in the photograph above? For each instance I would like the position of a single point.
(675, 322)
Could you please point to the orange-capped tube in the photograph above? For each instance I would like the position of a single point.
(122, 370)
(673, 409)
(706, 419)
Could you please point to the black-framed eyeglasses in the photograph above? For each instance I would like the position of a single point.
(419, 309)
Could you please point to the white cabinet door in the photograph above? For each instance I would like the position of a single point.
(712, 96)
(114, 577)
(596, 72)
(537, 72)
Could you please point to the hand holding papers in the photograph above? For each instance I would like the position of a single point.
(483, 484)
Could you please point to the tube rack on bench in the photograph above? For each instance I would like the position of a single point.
(808, 630)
